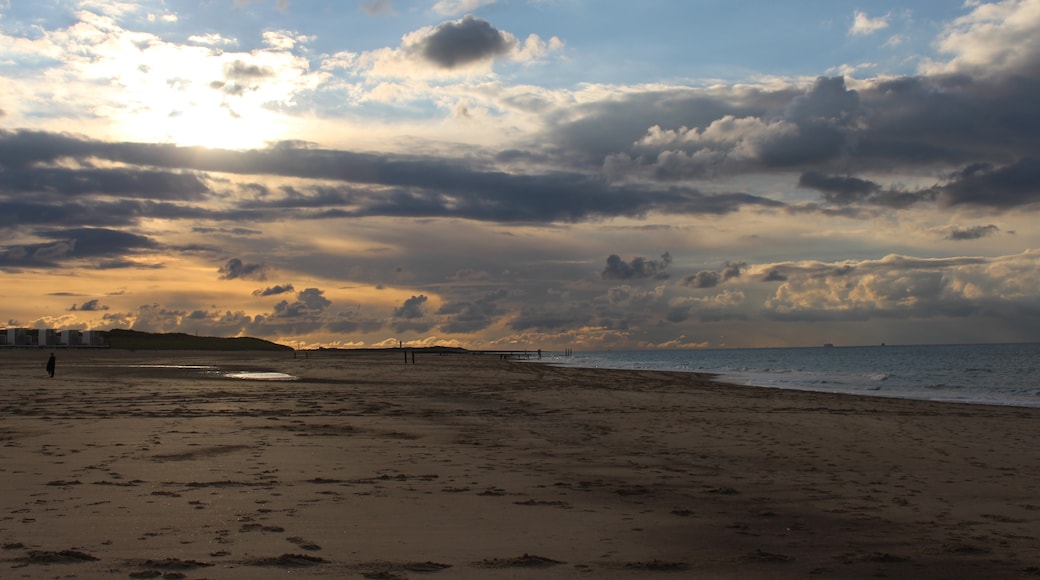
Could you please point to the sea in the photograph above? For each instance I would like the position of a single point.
(991, 374)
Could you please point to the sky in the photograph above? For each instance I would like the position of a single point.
(506, 174)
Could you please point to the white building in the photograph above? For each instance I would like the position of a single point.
(48, 337)
(17, 337)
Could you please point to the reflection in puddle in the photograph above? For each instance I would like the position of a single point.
(217, 371)
(260, 376)
(161, 366)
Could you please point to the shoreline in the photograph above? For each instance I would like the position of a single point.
(483, 468)
(1000, 376)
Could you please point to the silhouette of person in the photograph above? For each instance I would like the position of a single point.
(50, 366)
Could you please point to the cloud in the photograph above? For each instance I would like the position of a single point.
(852, 191)
(89, 306)
(906, 287)
(310, 303)
(972, 233)
(242, 71)
(126, 183)
(638, 268)
(472, 315)
(841, 190)
(711, 279)
(236, 269)
(401, 185)
(212, 39)
(159, 89)
(994, 38)
(411, 317)
(458, 48)
(453, 7)
(774, 276)
(377, 7)
(314, 299)
(75, 244)
(705, 136)
(863, 25)
(233, 231)
(983, 184)
(412, 308)
(274, 290)
(458, 43)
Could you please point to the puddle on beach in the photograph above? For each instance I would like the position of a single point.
(260, 376)
(176, 367)
(213, 370)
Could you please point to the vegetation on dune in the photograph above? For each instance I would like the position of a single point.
(133, 339)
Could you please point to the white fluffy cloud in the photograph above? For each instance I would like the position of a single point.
(864, 25)
(993, 37)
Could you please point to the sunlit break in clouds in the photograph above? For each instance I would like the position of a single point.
(524, 174)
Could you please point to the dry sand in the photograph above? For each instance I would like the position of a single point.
(467, 466)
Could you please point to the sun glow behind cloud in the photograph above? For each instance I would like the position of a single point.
(148, 89)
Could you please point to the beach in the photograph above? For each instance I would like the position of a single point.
(159, 465)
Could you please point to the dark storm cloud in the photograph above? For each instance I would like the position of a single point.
(416, 187)
(239, 74)
(412, 308)
(830, 135)
(235, 268)
(240, 70)
(536, 199)
(916, 124)
(845, 191)
(90, 242)
(1000, 187)
(593, 131)
(314, 299)
(711, 278)
(48, 212)
(458, 43)
(309, 303)
(89, 306)
(466, 316)
(949, 119)
(410, 316)
(71, 244)
(774, 276)
(768, 130)
(274, 290)
(973, 233)
(127, 183)
(840, 190)
(638, 268)
(119, 264)
(239, 231)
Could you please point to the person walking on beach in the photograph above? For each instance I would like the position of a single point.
(50, 366)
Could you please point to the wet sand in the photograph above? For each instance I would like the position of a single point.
(465, 466)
